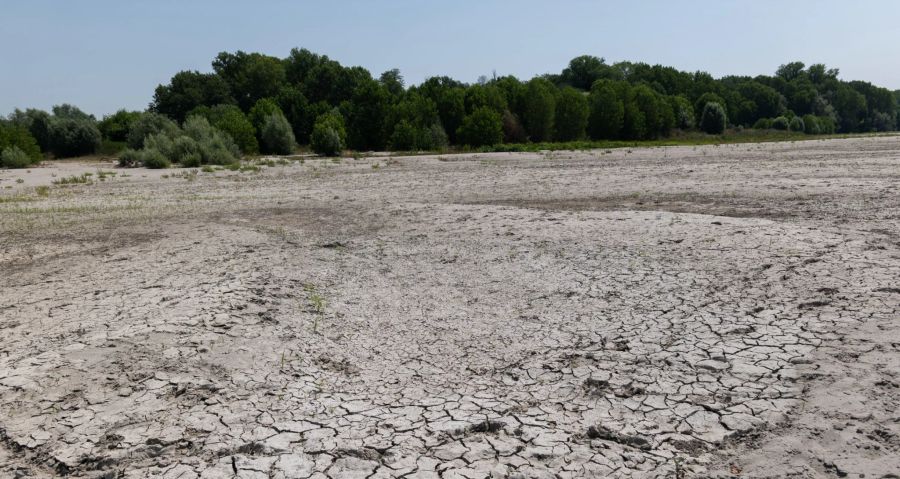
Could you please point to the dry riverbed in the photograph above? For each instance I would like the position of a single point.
(729, 311)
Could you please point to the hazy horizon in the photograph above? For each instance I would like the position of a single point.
(103, 55)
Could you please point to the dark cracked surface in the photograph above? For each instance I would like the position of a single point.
(680, 312)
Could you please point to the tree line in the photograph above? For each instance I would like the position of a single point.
(255, 103)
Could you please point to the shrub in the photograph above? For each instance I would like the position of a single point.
(810, 125)
(705, 98)
(713, 120)
(231, 120)
(261, 112)
(781, 123)
(115, 127)
(130, 158)
(19, 137)
(74, 137)
(185, 150)
(215, 146)
(404, 137)
(328, 137)
(14, 157)
(161, 143)
(437, 137)
(827, 125)
(148, 124)
(483, 127)
(796, 124)
(191, 160)
(683, 112)
(277, 136)
(512, 129)
(763, 124)
(154, 159)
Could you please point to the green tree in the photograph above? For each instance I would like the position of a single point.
(298, 111)
(147, 124)
(572, 112)
(250, 76)
(329, 136)
(705, 98)
(231, 120)
(186, 91)
(21, 142)
(115, 127)
(583, 71)
(368, 112)
(392, 80)
(683, 112)
(71, 137)
(713, 119)
(539, 109)
(481, 128)
(277, 136)
(607, 116)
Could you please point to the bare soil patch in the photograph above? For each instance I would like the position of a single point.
(669, 312)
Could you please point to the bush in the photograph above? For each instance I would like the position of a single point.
(187, 151)
(683, 112)
(115, 127)
(781, 123)
(827, 125)
(231, 120)
(191, 160)
(74, 137)
(14, 157)
(130, 158)
(404, 137)
(261, 112)
(437, 137)
(713, 119)
(483, 127)
(277, 136)
(512, 129)
(148, 124)
(705, 98)
(19, 137)
(763, 124)
(161, 143)
(154, 159)
(796, 124)
(810, 125)
(215, 147)
(328, 137)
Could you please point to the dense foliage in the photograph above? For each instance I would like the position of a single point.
(258, 102)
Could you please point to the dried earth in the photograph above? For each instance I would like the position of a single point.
(679, 312)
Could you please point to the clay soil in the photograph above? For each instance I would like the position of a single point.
(719, 311)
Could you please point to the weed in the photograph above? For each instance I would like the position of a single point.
(85, 178)
(207, 169)
(20, 180)
(43, 191)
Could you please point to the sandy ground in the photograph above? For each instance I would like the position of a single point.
(681, 312)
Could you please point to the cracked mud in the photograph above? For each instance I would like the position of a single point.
(669, 312)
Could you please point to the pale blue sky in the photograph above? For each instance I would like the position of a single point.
(106, 54)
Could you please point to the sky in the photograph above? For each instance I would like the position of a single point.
(103, 55)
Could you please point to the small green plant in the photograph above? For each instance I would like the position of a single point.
(20, 180)
(208, 169)
(42, 191)
(73, 180)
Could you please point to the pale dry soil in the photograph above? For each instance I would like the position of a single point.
(724, 311)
